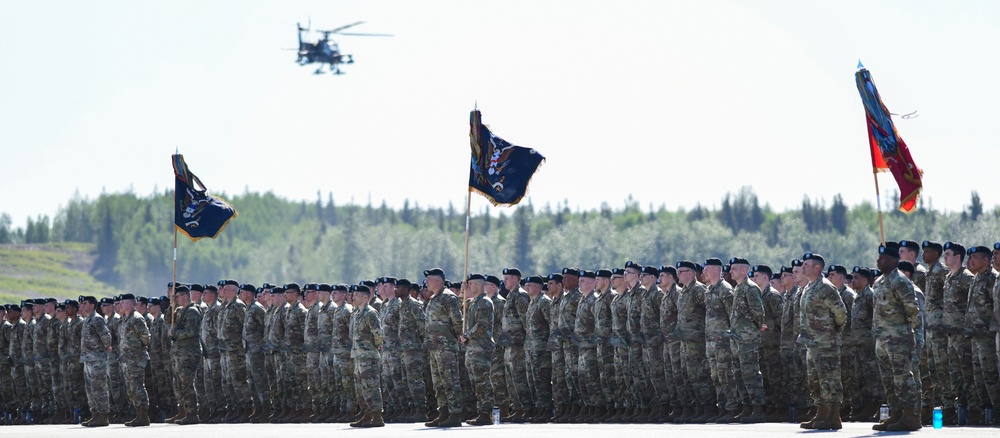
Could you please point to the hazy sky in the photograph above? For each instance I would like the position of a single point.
(676, 103)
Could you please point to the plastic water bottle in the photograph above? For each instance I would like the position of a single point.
(496, 416)
(76, 416)
(938, 417)
(883, 412)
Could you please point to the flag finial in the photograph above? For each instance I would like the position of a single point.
(860, 65)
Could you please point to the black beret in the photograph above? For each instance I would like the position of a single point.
(633, 265)
(171, 284)
(61, 306)
(739, 261)
(181, 289)
(762, 268)
(323, 287)
(28, 304)
(154, 301)
(537, 279)
(892, 245)
(289, 287)
(196, 287)
(725, 268)
(713, 262)
(889, 251)
(980, 250)
(117, 298)
(955, 247)
(776, 276)
(107, 301)
(248, 287)
(996, 246)
(211, 288)
(864, 272)
(40, 301)
(477, 277)
(142, 300)
(267, 286)
(796, 262)
(905, 266)
(932, 245)
(699, 269)
(651, 270)
(876, 273)
(388, 280)
(229, 283)
(841, 269)
(277, 290)
(453, 285)
(341, 287)
(361, 288)
(813, 256)
(617, 271)
(666, 269)
(371, 284)
(572, 271)
(434, 271)
(785, 269)
(404, 282)
(603, 273)
(588, 274)
(73, 303)
(89, 298)
(512, 271)
(686, 264)
(51, 300)
(909, 244)
(13, 308)
(309, 286)
(493, 279)
(558, 278)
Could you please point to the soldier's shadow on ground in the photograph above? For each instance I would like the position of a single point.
(870, 435)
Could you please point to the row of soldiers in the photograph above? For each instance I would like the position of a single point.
(685, 343)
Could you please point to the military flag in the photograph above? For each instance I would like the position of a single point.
(196, 213)
(889, 152)
(500, 171)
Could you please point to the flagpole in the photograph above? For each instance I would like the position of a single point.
(465, 276)
(173, 309)
(878, 200)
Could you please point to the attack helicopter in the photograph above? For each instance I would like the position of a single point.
(325, 51)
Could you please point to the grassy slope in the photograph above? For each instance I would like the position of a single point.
(59, 270)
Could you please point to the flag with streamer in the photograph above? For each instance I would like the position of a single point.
(196, 213)
(500, 171)
(889, 152)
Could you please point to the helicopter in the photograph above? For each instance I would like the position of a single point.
(325, 51)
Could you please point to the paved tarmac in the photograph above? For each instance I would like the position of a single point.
(766, 430)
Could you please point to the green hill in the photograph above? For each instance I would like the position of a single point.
(59, 270)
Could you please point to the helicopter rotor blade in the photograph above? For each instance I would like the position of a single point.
(338, 29)
(367, 34)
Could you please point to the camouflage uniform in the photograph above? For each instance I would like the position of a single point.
(19, 383)
(718, 308)
(745, 322)
(937, 338)
(411, 341)
(513, 338)
(133, 338)
(479, 348)
(44, 352)
(862, 339)
(28, 363)
(539, 358)
(603, 332)
(213, 398)
(977, 327)
(657, 389)
(847, 352)
(323, 393)
(443, 318)
(344, 390)
(638, 374)
(620, 342)
(116, 385)
(498, 371)
(159, 361)
(310, 345)
(186, 355)
(366, 340)
(254, 341)
(589, 366)
(691, 331)
(560, 391)
(956, 304)
(791, 352)
(95, 338)
(232, 354)
(274, 338)
(568, 308)
(822, 319)
(7, 402)
(770, 355)
(295, 371)
(677, 381)
(392, 375)
(896, 319)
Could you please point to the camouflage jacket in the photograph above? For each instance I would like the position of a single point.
(498, 304)
(253, 327)
(366, 333)
(14, 351)
(186, 331)
(133, 338)
(376, 304)
(619, 319)
(295, 328)
(114, 321)
(956, 301)
(341, 322)
(773, 307)
(443, 321)
(412, 324)
(274, 329)
(634, 321)
(862, 318)
(980, 312)
(668, 314)
(995, 293)
(586, 320)
(46, 340)
(718, 308)
(822, 316)
(919, 277)
(934, 293)
(28, 343)
(159, 340)
(389, 317)
(747, 316)
(568, 309)
(95, 339)
(513, 316)
(479, 328)
(848, 296)
(537, 325)
(209, 334)
(5, 333)
(555, 335)
(310, 334)
(790, 318)
(69, 349)
(649, 317)
(325, 324)
(603, 319)
(691, 309)
(232, 317)
(897, 311)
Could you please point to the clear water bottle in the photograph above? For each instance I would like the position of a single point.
(76, 416)
(496, 416)
(938, 417)
(883, 412)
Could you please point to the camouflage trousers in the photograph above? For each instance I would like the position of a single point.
(539, 369)
(134, 375)
(638, 378)
(805, 394)
(848, 374)
(695, 362)
(515, 363)
(213, 398)
(430, 395)
(344, 390)
(43, 372)
(936, 348)
(869, 377)
(313, 377)
(447, 389)
(498, 378)
(392, 380)
(258, 378)
(95, 377)
(367, 377)
(468, 396)
(606, 365)
(657, 389)
(560, 390)
(748, 356)
(773, 374)
(984, 365)
(823, 367)
(589, 372)
(233, 365)
(21, 388)
(895, 363)
(161, 379)
(623, 393)
(413, 386)
(272, 363)
(478, 363)
(295, 370)
(116, 384)
(6, 386)
(185, 370)
(676, 377)
(720, 359)
(960, 369)
(327, 377)
(571, 354)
